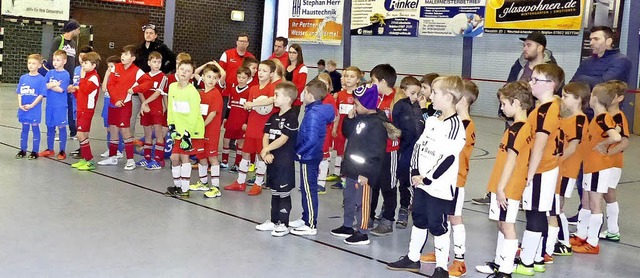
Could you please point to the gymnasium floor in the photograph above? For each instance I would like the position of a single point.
(58, 222)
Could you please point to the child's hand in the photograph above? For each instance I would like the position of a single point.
(119, 103)
(601, 148)
(71, 89)
(352, 113)
(502, 199)
(24, 107)
(145, 108)
(244, 127)
(334, 133)
(248, 105)
(268, 158)
(422, 101)
(362, 180)
(263, 153)
(130, 91)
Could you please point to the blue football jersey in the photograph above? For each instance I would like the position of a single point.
(55, 99)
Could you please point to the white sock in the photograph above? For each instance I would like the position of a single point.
(441, 244)
(336, 168)
(613, 210)
(530, 243)
(595, 222)
(564, 225)
(185, 174)
(261, 169)
(459, 238)
(418, 238)
(242, 171)
(539, 251)
(552, 237)
(509, 249)
(215, 175)
(175, 173)
(202, 172)
(322, 174)
(499, 246)
(583, 223)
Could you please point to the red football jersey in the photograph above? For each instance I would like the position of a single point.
(231, 61)
(237, 114)
(384, 104)
(87, 94)
(157, 80)
(345, 102)
(256, 122)
(211, 101)
(121, 80)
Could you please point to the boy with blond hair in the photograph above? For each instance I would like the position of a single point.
(31, 89)
(56, 111)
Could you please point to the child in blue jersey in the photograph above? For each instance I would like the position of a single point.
(31, 89)
(76, 81)
(56, 114)
(111, 64)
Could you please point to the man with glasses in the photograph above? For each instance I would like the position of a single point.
(534, 52)
(280, 51)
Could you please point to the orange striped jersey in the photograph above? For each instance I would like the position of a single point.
(595, 161)
(518, 138)
(573, 128)
(465, 154)
(546, 119)
(621, 122)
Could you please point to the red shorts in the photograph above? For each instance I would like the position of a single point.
(210, 148)
(339, 144)
(197, 147)
(252, 145)
(234, 134)
(148, 119)
(83, 120)
(120, 116)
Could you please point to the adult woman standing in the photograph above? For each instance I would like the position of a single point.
(296, 73)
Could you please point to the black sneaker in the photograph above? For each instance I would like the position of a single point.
(486, 200)
(233, 169)
(171, 191)
(440, 272)
(342, 231)
(562, 250)
(33, 155)
(357, 238)
(403, 218)
(405, 264)
(182, 194)
(76, 154)
(499, 275)
(21, 154)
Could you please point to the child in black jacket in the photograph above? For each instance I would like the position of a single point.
(367, 130)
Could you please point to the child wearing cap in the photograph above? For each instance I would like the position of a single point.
(366, 130)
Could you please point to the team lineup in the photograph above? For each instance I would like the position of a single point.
(413, 138)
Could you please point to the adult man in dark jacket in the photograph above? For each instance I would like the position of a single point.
(152, 43)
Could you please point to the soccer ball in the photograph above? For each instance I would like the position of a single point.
(264, 109)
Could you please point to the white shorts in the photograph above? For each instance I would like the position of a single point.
(566, 186)
(538, 196)
(457, 202)
(496, 212)
(555, 207)
(602, 180)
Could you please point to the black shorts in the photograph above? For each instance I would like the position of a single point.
(430, 212)
(281, 177)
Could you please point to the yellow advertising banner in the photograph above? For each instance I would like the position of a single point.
(551, 17)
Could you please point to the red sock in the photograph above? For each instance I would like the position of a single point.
(147, 151)
(128, 147)
(238, 158)
(113, 148)
(159, 152)
(85, 150)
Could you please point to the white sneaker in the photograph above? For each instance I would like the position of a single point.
(304, 231)
(486, 269)
(131, 164)
(296, 223)
(266, 226)
(106, 154)
(280, 230)
(110, 161)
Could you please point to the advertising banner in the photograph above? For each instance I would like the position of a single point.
(551, 17)
(153, 3)
(452, 18)
(316, 21)
(412, 18)
(51, 9)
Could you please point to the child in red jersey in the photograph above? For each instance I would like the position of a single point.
(154, 115)
(86, 96)
(254, 129)
(211, 108)
(236, 123)
(328, 140)
(125, 80)
(344, 102)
